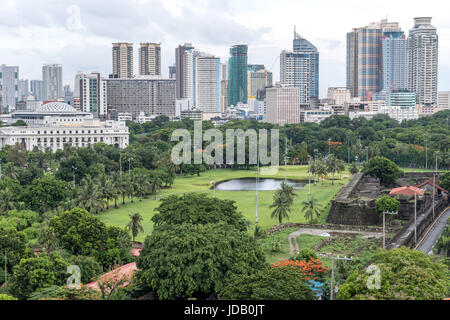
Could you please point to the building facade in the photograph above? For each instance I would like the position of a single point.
(152, 96)
(37, 89)
(180, 68)
(423, 61)
(444, 99)
(52, 82)
(207, 83)
(122, 60)
(150, 59)
(339, 95)
(282, 105)
(237, 75)
(9, 86)
(93, 95)
(394, 46)
(300, 68)
(402, 99)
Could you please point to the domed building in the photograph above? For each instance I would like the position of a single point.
(57, 124)
(52, 111)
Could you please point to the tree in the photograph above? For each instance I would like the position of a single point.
(333, 166)
(135, 225)
(288, 191)
(305, 254)
(384, 169)
(39, 272)
(280, 283)
(90, 196)
(387, 204)
(311, 208)
(89, 267)
(46, 193)
(444, 180)
(197, 208)
(196, 260)
(7, 200)
(282, 207)
(6, 297)
(14, 243)
(81, 233)
(354, 168)
(405, 275)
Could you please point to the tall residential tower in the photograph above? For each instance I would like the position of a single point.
(423, 61)
(237, 90)
(150, 59)
(122, 60)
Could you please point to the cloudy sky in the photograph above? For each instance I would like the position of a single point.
(78, 33)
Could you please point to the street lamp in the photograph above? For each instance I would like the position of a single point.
(384, 226)
(332, 273)
(415, 216)
(285, 168)
(73, 170)
(309, 174)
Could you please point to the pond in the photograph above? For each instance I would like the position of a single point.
(249, 184)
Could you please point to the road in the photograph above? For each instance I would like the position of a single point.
(427, 244)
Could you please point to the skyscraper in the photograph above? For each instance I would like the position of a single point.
(23, 90)
(300, 68)
(122, 60)
(93, 96)
(150, 59)
(207, 83)
(237, 75)
(52, 78)
(9, 86)
(283, 105)
(180, 68)
(394, 51)
(423, 61)
(172, 72)
(37, 89)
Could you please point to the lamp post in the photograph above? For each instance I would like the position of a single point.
(315, 156)
(384, 226)
(256, 191)
(309, 174)
(120, 162)
(73, 171)
(434, 184)
(332, 273)
(285, 168)
(426, 154)
(415, 216)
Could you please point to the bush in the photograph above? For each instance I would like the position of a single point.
(305, 255)
(6, 297)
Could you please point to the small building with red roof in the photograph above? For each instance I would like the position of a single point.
(407, 192)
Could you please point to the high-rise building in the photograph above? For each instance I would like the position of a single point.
(150, 59)
(423, 61)
(339, 95)
(181, 68)
(37, 89)
(207, 83)
(444, 99)
(76, 87)
(122, 60)
(52, 78)
(223, 95)
(93, 95)
(300, 68)
(402, 99)
(237, 75)
(363, 61)
(68, 95)
(258, 81)
(394, 61)
(9, 86)
(172, 72)
(283, 105)
(224, 71)
(23, 90)
(141, 95)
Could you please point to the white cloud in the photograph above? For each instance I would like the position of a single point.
(36, 32)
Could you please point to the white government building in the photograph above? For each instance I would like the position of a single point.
(56, 124)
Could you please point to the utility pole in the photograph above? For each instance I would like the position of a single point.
(6, 273)
(434, 184)
(285, 169)
(332, 273)
(120, 161)
(309, 173)
(348, 150)
(426, 154)
(129, 165)
(415, 216)
(256, 188)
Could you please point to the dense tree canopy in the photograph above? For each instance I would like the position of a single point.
(196, 208)
(386, 204)
(196, 260)
(404, 275)
(384, 169)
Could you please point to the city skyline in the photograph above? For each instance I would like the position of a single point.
(84, 44)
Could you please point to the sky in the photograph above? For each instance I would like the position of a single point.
(78, 33)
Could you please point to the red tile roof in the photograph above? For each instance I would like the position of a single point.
(431, 183)
(125, 271)
(410, 191)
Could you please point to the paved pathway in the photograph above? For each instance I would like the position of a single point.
(293, 244)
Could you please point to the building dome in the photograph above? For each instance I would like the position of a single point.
(56, 107)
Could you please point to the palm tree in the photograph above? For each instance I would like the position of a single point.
(135, 225)
(142, 185)
(311, 208)
(288, 191)
(116, 186)
(332, 166)
(156, 184)
(90, 197)
(7, 200)
(321, 170)
(105, 188)
(281, 207)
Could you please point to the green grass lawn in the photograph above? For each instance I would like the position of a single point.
(245, 200)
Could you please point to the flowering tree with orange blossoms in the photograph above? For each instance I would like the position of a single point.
(311, 270)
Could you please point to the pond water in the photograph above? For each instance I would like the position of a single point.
(249, 184)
